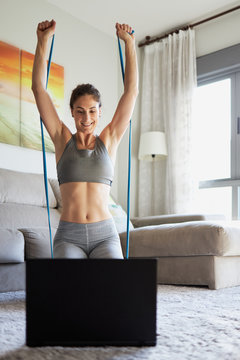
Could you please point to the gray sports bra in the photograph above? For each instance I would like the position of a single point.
(85, 164)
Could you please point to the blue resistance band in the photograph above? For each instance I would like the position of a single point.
(44, 154)
(129, 156)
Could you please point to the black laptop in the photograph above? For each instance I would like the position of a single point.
(91, 302)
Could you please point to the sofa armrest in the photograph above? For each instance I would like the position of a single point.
(173, 218)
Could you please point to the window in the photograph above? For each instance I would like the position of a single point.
(216, 113)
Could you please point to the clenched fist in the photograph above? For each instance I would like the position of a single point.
(46, 29)
(124, 32)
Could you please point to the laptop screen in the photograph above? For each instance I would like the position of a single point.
(84, 302)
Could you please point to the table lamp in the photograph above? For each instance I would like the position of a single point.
(152, 146)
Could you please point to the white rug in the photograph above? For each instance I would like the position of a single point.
(192, 323)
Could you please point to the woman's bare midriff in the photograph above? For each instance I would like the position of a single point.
(85, 202)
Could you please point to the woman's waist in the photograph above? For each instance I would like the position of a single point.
(84, 195)
(85, 214)
(85, 202)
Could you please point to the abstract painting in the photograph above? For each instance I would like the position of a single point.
(9, 94)
(19, 116)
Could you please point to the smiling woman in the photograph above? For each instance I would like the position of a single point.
(85, 160)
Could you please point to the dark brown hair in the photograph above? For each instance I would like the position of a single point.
(85, 89)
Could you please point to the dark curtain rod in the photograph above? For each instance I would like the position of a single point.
(150, 41)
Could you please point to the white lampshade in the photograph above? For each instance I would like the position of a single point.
(152, 145)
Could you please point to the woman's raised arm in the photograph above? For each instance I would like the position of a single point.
(44, 102)
(127, 101)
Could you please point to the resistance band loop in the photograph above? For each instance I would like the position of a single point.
(44, 154)
(129, 156)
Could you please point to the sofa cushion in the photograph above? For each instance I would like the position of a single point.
(119, 217)
(112, 200)
(173, 218)
(37, 242)
(24, 188)
(14, 216)
(11, 246)
(219, 238)
(56, 190)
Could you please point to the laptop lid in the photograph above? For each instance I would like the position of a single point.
(91, 302)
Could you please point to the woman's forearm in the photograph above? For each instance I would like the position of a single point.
(131, 68)
(39, 72)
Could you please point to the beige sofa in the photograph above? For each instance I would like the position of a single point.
(191, 249)
(205, 252)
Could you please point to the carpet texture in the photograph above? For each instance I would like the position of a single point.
(192, 323)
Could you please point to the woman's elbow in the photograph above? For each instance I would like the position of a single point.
(133, 91)
(36, 88)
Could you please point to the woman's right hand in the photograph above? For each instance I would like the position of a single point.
(45, 30)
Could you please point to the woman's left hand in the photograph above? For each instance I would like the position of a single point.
(124, 32)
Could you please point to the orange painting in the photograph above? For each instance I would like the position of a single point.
(15, 90)
(30, 118)
(9, 94)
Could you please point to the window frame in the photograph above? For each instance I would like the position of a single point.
(213, 67)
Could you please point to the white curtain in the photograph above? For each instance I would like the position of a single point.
(168, 84)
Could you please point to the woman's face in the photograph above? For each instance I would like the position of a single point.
(86, 113)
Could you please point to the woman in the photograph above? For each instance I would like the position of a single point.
(85, 161)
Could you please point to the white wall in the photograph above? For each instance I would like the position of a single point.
(218, 34)
(86, 54)
(211, 36)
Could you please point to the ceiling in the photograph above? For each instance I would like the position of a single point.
(151, 17)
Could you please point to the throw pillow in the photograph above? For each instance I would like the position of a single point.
(11, 246)
(24, 188)
(37, 242)
(120, 218)
(56, 190)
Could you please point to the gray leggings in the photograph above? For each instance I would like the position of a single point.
(93, 240)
